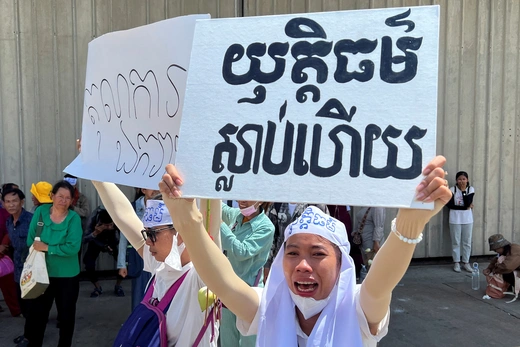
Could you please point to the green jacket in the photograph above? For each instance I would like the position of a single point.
(248, 244)
(64, 241)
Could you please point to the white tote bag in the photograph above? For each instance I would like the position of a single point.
(35, 279)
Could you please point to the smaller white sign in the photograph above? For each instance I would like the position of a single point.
(134, 94)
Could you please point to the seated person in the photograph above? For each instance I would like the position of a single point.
(102, 236)
(507, 259)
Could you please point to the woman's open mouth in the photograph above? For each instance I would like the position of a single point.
(305, 288)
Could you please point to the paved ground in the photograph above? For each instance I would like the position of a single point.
(432, 306)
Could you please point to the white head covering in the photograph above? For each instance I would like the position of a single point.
(156, 214)
(337, 324)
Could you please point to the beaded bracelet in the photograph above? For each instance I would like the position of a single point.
(405, 239)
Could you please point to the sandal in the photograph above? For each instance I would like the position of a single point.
(18, 339)
(97, 292)
(23, 343)
(118, 291)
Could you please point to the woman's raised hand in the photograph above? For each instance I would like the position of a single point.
(171, 183)
(433, 188)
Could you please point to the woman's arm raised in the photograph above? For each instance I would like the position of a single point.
(211, 264)
(392, 260)
(122, 213)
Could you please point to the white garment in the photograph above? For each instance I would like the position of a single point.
(368, 339)
(461, 235)
(461, 216)
(184, 317)
(338, 322)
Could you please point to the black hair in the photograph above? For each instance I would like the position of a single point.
(65, 185)
(462, 173)
(15, 191)
(104, 217)
(157, 197)
(9, 186)
(507, 250)
(138, 193)
(69, 176)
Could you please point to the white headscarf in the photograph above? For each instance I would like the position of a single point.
(337, 324)
(155, 215)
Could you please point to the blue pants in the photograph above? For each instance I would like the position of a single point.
(139, 287)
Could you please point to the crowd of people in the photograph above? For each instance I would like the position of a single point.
(274, 262)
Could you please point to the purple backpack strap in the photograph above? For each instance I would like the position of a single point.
(257, 280)
(202, 332)
(149, 291)
(165, 301)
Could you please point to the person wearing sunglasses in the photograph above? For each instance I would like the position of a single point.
(165, 257)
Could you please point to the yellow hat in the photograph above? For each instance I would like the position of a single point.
(42, 192)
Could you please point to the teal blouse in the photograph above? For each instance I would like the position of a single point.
(247, 244)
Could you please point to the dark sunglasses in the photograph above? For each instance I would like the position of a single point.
(151, 233)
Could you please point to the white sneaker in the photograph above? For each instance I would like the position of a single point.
(456, 267)
(467, 267)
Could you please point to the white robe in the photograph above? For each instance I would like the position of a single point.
(184, 317)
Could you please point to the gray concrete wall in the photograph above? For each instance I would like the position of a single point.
(43, 51)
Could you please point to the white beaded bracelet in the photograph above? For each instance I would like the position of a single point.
(405, 239)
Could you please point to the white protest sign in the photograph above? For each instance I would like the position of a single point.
(334, 107)
(134, 92)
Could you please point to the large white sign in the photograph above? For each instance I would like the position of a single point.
(134, 93)
(335, 107)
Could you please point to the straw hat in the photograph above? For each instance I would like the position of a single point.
(42, 192)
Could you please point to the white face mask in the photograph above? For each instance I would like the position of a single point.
(246, 212)
(181, 248)
(173, 259)
(309, 307)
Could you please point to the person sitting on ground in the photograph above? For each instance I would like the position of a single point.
(41, 194)
(157, 241)
(507, 259)
(311, 297)
(102, 236)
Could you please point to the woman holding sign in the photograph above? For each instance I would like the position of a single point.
(311, 297)
(174, 288)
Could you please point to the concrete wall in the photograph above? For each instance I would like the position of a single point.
(43, 50)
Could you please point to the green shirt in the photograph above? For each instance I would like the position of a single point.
(247, 244)
(64, 240)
